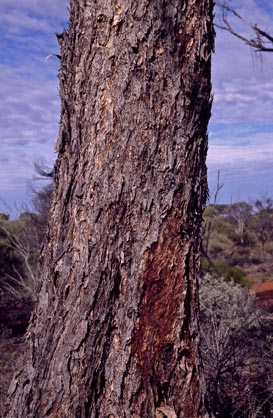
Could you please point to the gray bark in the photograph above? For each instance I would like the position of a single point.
(114, 331)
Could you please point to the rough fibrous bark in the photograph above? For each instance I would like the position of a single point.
(114, 330)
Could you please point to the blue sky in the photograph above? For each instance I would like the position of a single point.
(241, 127)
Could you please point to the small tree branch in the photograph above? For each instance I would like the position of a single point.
(258, 43)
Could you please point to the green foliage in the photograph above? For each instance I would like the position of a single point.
(236, 237)
(4, 217)
(216, 210)
(220, 245)
(229, 273)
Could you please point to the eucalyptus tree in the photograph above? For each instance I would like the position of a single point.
(114, 332)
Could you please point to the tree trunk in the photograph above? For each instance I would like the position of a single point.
(114, 331)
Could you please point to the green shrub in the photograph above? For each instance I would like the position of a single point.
(219, 245)
(236, 350)
(229, 273)
(239, 257)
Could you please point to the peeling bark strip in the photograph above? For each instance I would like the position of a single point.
(114, 330)
(164, 351)
(160, 345)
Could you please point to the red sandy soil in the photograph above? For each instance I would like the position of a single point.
(264, 293)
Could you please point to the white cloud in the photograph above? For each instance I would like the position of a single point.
(40, 15)
(230, 154)
(29, 115)
(17, 20)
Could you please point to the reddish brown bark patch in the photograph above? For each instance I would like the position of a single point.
(164, 292)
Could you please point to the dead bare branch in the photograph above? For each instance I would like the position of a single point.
(258, 43)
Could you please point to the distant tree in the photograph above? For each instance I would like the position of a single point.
(262, 221)
(264, 204)
(240, 213)
(237, 235)
(4, 217)
(236, 347)
(210, 214)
